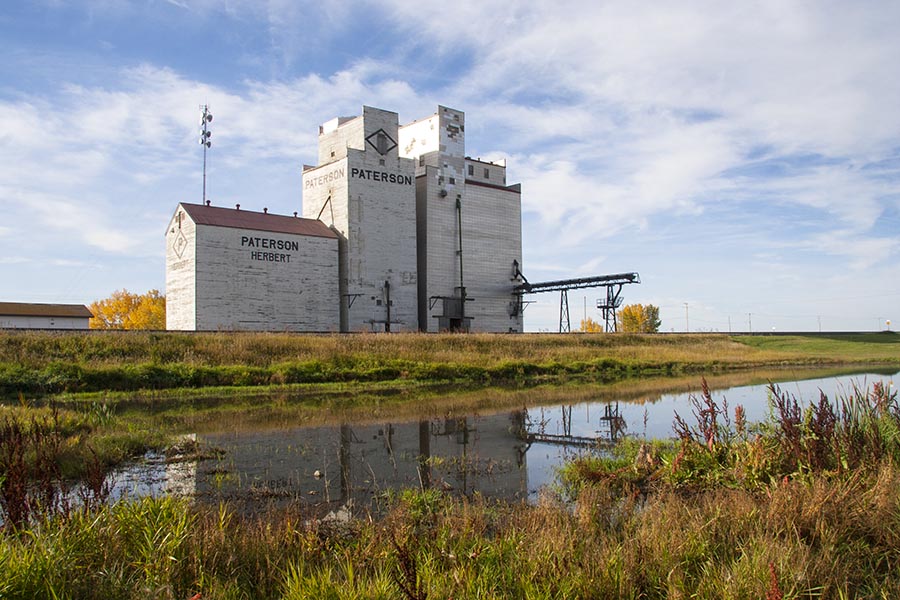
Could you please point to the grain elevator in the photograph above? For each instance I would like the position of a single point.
(401, 231)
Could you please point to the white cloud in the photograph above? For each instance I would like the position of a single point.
(84, 167)
(863, 252)
(644, 111)
(82, 220)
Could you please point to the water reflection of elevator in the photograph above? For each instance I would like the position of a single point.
(463, 455)
(353, 464)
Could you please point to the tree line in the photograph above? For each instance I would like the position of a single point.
(127, 310)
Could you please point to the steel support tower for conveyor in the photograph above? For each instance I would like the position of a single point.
(612, 283)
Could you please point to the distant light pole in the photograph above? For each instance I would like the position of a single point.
(205, 134)
(687, 323)
(750, 322)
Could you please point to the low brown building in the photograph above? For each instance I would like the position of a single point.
(24, 315)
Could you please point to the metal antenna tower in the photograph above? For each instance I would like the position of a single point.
(205, 134)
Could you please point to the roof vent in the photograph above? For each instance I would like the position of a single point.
(237, 207)
(295, 214)
(208, 202)
(265, 211)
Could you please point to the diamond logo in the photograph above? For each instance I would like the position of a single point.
(180, 244)
(381, 142)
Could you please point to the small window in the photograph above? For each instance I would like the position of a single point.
(453, 181)
(381, 143)
(422, 160)
(381, 161)
(472, 170)
(378, 302)
(487, 173)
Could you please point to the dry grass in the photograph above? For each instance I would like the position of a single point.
(818, 539)
(42, 363)
(266, 349)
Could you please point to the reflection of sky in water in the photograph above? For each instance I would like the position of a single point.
(152, 476)
(586, 419)
(543, 460)
(474, 453)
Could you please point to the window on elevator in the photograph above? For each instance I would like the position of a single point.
(381, 143)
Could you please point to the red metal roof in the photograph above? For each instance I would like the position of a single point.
(256, 221)
(24, 309)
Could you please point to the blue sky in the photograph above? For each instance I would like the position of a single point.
(743, 157)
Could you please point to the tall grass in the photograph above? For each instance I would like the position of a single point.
(268, 349)
(44, 451)
(854, 433)
(38, 363)
(815, 539)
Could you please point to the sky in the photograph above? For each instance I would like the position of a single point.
(742, 157)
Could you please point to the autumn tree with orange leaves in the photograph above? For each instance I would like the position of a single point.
(124, 310)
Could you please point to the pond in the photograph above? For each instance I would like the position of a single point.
(511, 454)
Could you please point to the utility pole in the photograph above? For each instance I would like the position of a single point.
(750, 322)
(687, 323)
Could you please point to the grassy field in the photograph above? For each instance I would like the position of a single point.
(861, 346)
(268, 349)
(35, 364)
